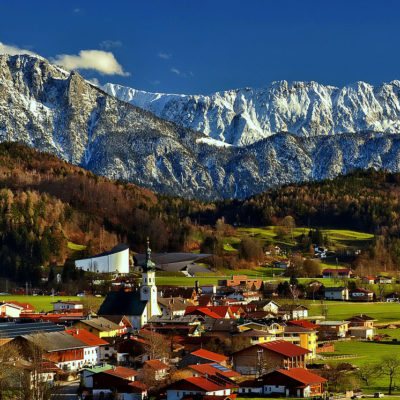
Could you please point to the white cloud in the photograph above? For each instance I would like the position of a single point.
(103, 62)
(164, 56)
(14, 50)
(108, 44)
(175, 71)
(94, 81)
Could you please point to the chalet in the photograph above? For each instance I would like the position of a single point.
(301, 336)
(333, 329)
(122, 321)
(295, 382)
(221, 328)
(62, 306)
(87, 374)
(210, 385)
(241, 281)
(99, 326)
(386, 280)
(270, 306)
(202, 356)
(293, 311)
(187, 293)
(132, 350)
(368, 280)
(92, 353)
(249, 337)
(361, 294)
(265, 357)
(156, 369)
(337, 272)
(336, 293)
(26, 307)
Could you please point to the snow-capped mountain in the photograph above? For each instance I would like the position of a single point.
(58, 111)
(244, 116)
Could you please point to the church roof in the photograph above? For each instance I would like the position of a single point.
(126, 303)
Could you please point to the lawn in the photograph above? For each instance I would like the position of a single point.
(40, 303)
(383, 312)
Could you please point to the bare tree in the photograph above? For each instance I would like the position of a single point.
(368, 372)
(390, 366)
(157, 345)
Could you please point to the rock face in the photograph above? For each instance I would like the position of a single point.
(53, 110)
(244, 116)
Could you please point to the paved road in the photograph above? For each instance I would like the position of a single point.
(67, 391)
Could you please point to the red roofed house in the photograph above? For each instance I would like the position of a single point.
(202, 357)
(26, 307)
(338, 272)
(200, 386)
(10, 310)
(67, 306)
(368, 280)
(92, 353)
(295, 382)
(155, 368)
(361, 294)
(264, 357)
(209, 369)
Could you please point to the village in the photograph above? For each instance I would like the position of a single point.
(237, 338)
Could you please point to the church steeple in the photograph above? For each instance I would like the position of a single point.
(148, 265)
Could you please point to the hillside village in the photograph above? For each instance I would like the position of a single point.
(243, 337)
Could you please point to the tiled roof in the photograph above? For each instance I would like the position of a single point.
(56, 341)
(121, 372)
(304, 323)
(156, 364)
(213, 369)
(297, 329)
(87, 337)
(285, 348)
(137, 386)
(209, 355)
(101, 324)
(207, 384)
(202, 310)
(302, 375)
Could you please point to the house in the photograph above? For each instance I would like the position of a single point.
(361, 294)
(10, 310)
(302, 336)
(202, 356)
(187, 293)
(293, 311)
(26, 307)
(241, 281)
(68, 306)
(155, 368)
(282, 264)
(336, 293)
(333, 329)
(87, 374)
(368, 280)
(124, 325)
(114, 261)
(362, 326)
(120, 380)
(221, 328)
(134, 349)
(337, 272)
(271, 306)
(208, 289)
(249, 337)
(386, 280)
(138, 306)
(209, 369)
(393, 297)
(210, 385)
(264, 357)
(92, 353)
(295, 382)
(99, 326)
(172, 305)
(66, 351)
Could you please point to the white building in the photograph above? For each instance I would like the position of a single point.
(114, 261)
(10, 310)
(67, 306)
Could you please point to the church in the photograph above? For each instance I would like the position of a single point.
(138, 306)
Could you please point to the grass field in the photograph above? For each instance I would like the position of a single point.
(383, 312)
(40, 303)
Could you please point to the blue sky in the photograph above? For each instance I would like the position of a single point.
(202, 46)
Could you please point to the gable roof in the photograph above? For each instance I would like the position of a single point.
(302, 375)
(285, 348)
(122, 303)
(156, 365)
(101, 324)
(121, 372)
(209, 355)
(213, 369)
(86, 337)
(202, 310)
(304, 323)
(200, 383)
(55, 341)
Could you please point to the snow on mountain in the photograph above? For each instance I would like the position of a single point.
(58, 111)
(244, 116)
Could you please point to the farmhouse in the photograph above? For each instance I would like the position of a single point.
(361, 294)
(336, 293)
(337, 272)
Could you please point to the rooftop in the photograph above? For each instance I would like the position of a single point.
(209, 355)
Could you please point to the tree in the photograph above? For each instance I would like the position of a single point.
(157, 345)
(390, 366)
(311, 268)
(368, 372)
(289, 223)
(251, 249)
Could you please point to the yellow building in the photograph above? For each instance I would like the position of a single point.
(304, 337)
(99, 326)
(249, 337)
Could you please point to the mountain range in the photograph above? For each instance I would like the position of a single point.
(229, 145)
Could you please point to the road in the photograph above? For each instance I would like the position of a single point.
(67, 391)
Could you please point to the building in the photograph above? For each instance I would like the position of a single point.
(293, 311)
(333, 329)
(156, 369)
(337, 272)
(99, 326)
(368, 280)
(10, 330)
(172, 306)
(362, 326)
(92, 353)
(336, 293)
(385, 280)
(138, 306)
(361, 294)
(249, 337)
(201, 386)
(203, 356)
(295, 382)
(302, 336)
(241, 281)
(264, 357)
(67, 306)
(10, 310)
(209, 369)
(114, 261)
